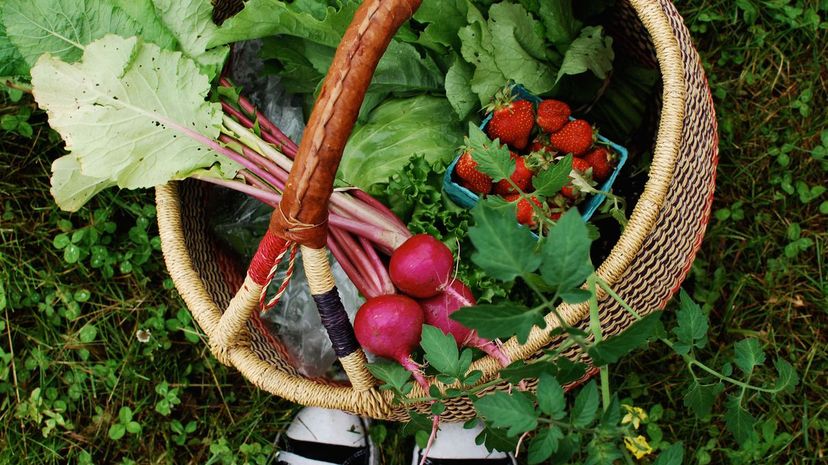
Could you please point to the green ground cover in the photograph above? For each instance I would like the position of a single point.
(81, 291)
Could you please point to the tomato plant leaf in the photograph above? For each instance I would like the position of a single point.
(503, 248)
(566, 262)
(514, 411)
(493, 321)
(586, 406)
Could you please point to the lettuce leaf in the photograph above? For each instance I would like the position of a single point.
(126, 111)
(397, 130)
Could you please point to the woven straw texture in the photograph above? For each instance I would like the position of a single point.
(645, 267)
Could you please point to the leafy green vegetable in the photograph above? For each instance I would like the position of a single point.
(153, 30)
(11, 62)
(591, 51)
(458, 88)
(191, 21)
(124, 111)
(443, 19)
(519, 50)
(71, 188)
(477, 49)
(262, 18)
(560, 25)
(738, 420)
(395, 132)
(62, 27)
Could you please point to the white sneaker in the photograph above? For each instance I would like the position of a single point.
(454, 445)
(318, 436)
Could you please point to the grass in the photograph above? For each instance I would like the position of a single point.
(77, 288)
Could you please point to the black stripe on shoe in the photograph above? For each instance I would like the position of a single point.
(330, 453)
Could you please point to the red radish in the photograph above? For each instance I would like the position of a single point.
(390, 326)
(421, 266)
(438, 308)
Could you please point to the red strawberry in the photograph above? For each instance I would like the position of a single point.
(512, 120)
(570, 191)
(553, 115)
(474, 180)
(602, 162)
(525, 214)
(521, 176)
(575, 138)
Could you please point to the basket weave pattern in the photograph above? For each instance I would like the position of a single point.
(645, 267)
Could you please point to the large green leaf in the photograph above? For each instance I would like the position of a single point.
(692, 325)
(458, 88)
(748, 354)
(566, 262)
(152, 28)
(191, 21)
(591, 51)
(503, 248)
(126, 111)
(11, 61)
(637, 335)
(586, 406)
(700, 397)
(477, 49)
(262, 18)
(514, 411)
(397, 130)
(560, 26)
(492, 321)
(443, 19)
(519, 49)
(71, 188)
(62, 27)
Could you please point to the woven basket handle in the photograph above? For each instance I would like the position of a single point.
(302, 214)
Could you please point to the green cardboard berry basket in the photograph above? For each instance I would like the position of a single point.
(468, 199)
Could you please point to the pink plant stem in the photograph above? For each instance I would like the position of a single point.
(378, 267)
(353, 273)
(357, 209)
(385, 240)
(363, 196)
(256, 163)
(357, 256)
(246, 122)
(369, 288)
(290, 146)
(267, 197)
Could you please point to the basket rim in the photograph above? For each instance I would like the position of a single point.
(375, 404)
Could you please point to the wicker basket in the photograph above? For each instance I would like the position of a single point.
(645, 267)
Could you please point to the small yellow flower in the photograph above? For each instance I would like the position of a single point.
(638, 446)
(635, 415)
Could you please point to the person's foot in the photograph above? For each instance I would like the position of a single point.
(454, 445)
(318, 436)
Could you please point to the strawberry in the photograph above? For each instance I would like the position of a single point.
(570, 191)
(525, 214)
(521, 176)
(512, 120)
(602, 162)
(575, 138)
(473, 179)
(553, 115)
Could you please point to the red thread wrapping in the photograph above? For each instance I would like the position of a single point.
(269, 248)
